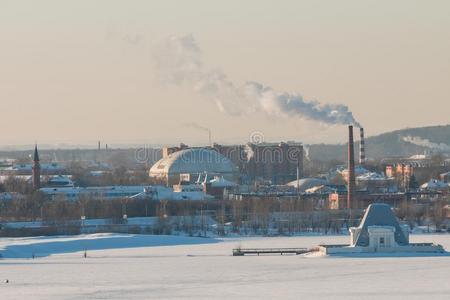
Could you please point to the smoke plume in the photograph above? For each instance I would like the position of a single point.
(196, 126)
(306, 151)
(426, 143)
(199, 127)
(249, 153)
(179, 62)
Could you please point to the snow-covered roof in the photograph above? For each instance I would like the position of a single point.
(99, 165)
(98, 191)
(307, 183)
(419, 156)
(27, 178)
(321, 189)
(434, 184)
(60, 178)
(358, 170)
(219, 181)
(98, 173)
(44, 166)
(371, 176)
(167, 193)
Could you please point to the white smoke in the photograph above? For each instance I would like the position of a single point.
(199, 127)
(179, 62)
(196, 126)
(306, 151)
(249, 153)
(426, 143)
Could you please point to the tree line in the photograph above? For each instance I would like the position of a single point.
(250, 216)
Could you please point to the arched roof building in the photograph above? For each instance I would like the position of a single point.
(193, 161)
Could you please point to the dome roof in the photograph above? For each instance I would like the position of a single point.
(193, 161)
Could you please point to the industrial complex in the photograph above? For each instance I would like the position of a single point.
(253, 185)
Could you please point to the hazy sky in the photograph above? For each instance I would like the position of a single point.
(78, 71)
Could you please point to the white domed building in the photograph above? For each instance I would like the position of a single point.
(192, 161)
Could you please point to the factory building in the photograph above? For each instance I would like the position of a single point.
(373, 182)
(236, 153)
(192, 161)
(401, 173)
(361, 200)
(278, 163)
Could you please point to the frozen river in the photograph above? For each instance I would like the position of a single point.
(168, 267)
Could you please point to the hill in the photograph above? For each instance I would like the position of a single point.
(404, 142)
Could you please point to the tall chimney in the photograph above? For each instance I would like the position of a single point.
(362, 147)
(351, 169)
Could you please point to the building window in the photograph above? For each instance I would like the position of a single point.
(381, 241)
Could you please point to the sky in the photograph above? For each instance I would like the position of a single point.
(74, 72)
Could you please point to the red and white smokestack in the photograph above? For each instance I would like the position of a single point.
(351, 169)
(362, 147)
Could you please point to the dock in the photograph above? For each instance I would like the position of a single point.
(258, 251)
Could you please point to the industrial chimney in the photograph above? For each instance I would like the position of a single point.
(351, 169)
(362, 147)
(209, 138)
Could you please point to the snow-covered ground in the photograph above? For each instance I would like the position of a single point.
(171, 267)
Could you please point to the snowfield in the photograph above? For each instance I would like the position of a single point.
(172, 267)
